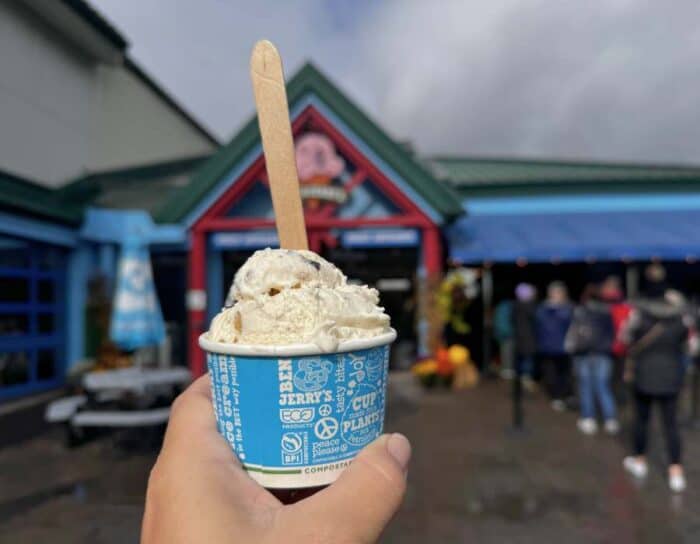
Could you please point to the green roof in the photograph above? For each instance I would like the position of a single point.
(142, 187)
(21, 195)
(470, 175)
(309, 80)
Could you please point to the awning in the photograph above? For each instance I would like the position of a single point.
(547, 237)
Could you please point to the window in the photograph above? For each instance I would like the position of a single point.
(14, 368)
(13, 289)
(31, 302)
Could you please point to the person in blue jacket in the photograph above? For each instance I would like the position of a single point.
(590, 340)
(552, 321)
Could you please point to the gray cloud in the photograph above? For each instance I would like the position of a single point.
(606, 79)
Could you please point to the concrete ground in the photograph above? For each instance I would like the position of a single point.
(470, 480)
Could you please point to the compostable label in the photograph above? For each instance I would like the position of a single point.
(299, 420)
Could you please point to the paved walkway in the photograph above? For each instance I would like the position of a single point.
(470, 481)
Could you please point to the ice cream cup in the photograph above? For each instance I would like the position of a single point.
(294, 416)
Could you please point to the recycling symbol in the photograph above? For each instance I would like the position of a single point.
(326, 428)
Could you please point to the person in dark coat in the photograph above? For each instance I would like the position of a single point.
(657, 334)
(552, 321)
(589, 340)
(525, 337)
(503, 334)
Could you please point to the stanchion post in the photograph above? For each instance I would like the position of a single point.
(518, 418)
(695, 396)
(487, 300)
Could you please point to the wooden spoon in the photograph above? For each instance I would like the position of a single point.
(278, 145)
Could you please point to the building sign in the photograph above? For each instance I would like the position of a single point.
(250, 239)
(320, 169)
(386, 237)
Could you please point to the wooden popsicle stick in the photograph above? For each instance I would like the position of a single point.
(278, 145)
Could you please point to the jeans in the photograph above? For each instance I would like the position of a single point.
(594, 371)
(669, 408)
(557, 370)
(525, 366)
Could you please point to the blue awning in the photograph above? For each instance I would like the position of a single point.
(546, 237)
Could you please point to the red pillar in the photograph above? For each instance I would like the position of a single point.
(315, 240)
(432, 251)
(196, 300)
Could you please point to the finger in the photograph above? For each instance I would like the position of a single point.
(192, 419)
(366, 496)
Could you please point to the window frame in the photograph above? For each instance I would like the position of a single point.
(34, 341)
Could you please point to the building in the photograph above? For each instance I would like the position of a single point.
(385, 215)
(73, 102)
(202, 216)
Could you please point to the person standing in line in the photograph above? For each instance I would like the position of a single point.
(524, 331)
(657, 332)
(552, 320)
(589, 340)
(611, 293)
(503, 333)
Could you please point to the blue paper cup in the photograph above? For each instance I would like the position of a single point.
(296, 417)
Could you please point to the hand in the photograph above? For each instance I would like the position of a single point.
(199, 493)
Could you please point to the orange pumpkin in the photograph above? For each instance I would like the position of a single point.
(444, 366)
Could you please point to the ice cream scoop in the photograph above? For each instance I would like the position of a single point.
(286, 297)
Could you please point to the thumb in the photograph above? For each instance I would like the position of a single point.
(361, 502)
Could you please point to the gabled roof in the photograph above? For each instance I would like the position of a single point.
(470, 175)
(99, 24)
(166, 97)
(309, 80)
(21, 195)
(143, 187)
(97, 21)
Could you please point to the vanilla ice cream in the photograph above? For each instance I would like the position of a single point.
(283, 297)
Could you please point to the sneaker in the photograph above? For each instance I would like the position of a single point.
(677, 482)
(529, 384)
(587, 425)
(612, 426)
(558, 405)
(507, 374)
(635, 467)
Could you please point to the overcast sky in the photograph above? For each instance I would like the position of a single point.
(606, 79)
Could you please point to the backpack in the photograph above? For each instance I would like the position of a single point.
(586, 334)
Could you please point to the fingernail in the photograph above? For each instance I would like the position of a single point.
(399, 448)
